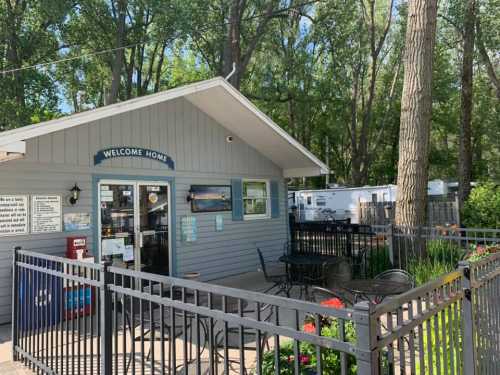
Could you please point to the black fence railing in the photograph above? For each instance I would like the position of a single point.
(372, 249)
(77, 318)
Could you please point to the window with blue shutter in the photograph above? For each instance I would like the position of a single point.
(275, 201)
(237, 197)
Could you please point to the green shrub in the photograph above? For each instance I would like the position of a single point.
(444, 251)
(425, 270)
(442, 257)
(378, 261)
(482, 209)
(330, 358)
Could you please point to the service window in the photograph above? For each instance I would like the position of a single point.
(256, 199)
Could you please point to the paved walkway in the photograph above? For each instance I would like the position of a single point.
(7, 367)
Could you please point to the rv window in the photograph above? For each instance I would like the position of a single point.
(374, 198)
(309, 200)
(320, 203)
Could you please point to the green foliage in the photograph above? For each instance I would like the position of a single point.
(442, 257)
(378, 261)
(482, 209)
(330, 358)
(440, 345)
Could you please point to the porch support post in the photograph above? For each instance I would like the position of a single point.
(468, 319)
(106, 323)
(367, 354)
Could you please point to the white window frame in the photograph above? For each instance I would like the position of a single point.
(267, 215)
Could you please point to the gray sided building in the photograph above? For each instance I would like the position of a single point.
(188, 180)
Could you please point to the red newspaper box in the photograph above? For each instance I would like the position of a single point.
(76, 247)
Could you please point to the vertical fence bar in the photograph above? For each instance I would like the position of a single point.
(469, 347)
(367, 358)
(390, 242)
(106, 322)
(15, 303)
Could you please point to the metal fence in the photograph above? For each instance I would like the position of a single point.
(375, 248)
(127, 322)
(439, 212)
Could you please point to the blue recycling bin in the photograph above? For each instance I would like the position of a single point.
(39, 297)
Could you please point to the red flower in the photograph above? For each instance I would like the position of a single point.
(309, 328)
(304, 359)
(334, 303)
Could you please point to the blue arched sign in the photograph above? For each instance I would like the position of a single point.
(136, 152)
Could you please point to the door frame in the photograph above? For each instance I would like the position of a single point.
(96, 211)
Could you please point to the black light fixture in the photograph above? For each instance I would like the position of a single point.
(75, 194)
(190, 196)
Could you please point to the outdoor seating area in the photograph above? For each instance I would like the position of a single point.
(292, 314)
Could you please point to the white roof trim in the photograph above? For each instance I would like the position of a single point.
(37, 130)
(17, 147)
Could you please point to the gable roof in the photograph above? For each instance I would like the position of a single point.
(218, 99)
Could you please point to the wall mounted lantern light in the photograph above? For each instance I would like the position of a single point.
(190, 196)
(75, 194)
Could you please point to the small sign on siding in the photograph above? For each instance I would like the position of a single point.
(46, 213)
(189, 231)
(13, 215)
(219, 223)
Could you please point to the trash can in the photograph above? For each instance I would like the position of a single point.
(39, 297)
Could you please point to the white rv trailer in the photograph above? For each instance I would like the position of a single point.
(341, 203)
(338, 203)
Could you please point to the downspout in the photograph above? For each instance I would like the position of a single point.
(231, 72)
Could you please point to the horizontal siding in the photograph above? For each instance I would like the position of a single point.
(197, 144)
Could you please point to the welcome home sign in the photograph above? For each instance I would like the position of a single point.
(126, 151)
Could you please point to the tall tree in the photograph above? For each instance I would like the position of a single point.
(416, 105)
(120, 11)
(465, 148)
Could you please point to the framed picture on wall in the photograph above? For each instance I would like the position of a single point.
(210, 198)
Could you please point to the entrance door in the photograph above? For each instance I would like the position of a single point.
(134, 223)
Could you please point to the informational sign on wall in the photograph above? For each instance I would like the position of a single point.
(76, 221)
(13, 215)
(189, 231)
(46, 213)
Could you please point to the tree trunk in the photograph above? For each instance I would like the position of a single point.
(118, 60)
(232, 49)
(490, 70)
(465, 149)
(416, 106)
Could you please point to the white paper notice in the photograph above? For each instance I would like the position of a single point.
(46, 213)
(106, 195)
(128, 254)
(13, 215)
(113, 246)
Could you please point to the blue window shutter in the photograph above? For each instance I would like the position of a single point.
(275, 200)
(237, 198)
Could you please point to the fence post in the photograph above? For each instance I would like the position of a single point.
(468, 319)
(367, 355)
(456, 205)
(390, 240)
(106, 323)
(15, 304)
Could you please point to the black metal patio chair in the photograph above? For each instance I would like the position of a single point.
(274, 274)
(398, 275)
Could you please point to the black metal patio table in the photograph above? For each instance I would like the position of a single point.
(307, 270)
(375, 290)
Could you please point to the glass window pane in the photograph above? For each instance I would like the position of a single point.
(255, 206)
(254, 189)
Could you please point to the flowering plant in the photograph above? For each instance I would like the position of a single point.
(307, 358)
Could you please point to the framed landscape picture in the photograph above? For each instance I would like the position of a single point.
(210, 198)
